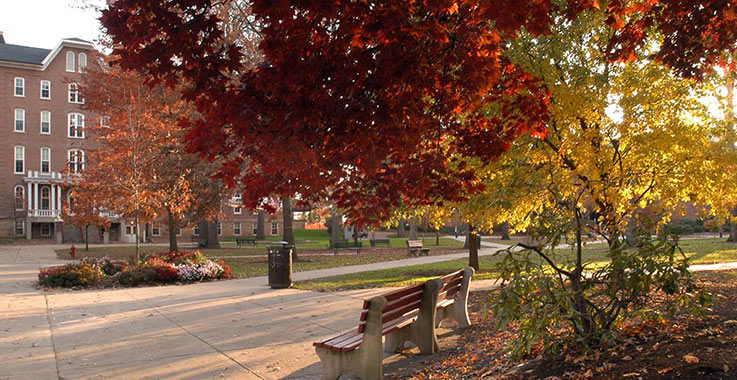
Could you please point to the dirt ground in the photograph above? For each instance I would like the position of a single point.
(687, 347)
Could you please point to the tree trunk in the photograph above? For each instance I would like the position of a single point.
(400, 228)
(86, 237)
(213, 240)
(437, 237)
(355, 234)
(334, 226)
(261, 226)
(505, 231)
(473, 251)
(286, 204)
(733, 227)
(412, 229)
(172, 222)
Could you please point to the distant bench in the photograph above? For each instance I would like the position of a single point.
(243, 241)
(378, 242)
(346, 245)
(408, 314)
(414, 248)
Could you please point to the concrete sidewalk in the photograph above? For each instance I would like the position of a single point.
(238, 329)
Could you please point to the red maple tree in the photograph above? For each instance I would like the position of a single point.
(372, 104)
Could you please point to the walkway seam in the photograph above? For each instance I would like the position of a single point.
(51, 334)
(255, 373)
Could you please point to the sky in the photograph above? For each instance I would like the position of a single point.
(43, 23)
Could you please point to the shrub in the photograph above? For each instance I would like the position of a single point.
(71, 275)
(131, 276)
(107, 265)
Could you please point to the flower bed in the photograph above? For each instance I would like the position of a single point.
(171, 267)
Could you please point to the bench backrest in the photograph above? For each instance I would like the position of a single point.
(451, 285)
(414, 243)
(401, 305)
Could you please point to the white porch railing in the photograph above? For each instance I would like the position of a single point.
(36, 213)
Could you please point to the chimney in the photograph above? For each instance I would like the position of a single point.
(2, 39)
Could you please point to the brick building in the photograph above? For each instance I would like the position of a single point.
(42, 134)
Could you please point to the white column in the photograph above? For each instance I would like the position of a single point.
(35, 196)
(28, 196)
(58, 194)
(52, 193)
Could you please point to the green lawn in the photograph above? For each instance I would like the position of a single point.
(702, 251)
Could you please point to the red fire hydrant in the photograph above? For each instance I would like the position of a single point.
(72, 251)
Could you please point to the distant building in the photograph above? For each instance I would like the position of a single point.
(42, 132)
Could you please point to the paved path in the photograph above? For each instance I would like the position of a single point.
(237, 329)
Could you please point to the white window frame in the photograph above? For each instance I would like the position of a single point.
(220, 228)
(70, 61)
(48, 160)
(41, 123)
(196, 230)
(81, 62)
(47, 198)
(255, 228)
(132, 230)
(22, 227)
(78, 125)
(237, 228)
(155, 229)
(75, 166)
(41, 90)
(22, 120)
(22, 150)
(23, 197)
(22, 87)
(237, 210)
(178, 231)
(104, 121)
(73, 94)
(274, 226)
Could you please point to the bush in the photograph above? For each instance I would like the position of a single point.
(71, 275)
(164, 268)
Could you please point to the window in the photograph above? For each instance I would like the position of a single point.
(237, 210)
(46, 229)
(82, 61)
(76, 125)
(70, 61)
(74, 94)
(45, 198)
(45, 89)
(46, 160)
(20, 159)
(236, 228)
(105, 121)
(220, 228)
(45, 122)
(129, 230)
(20, 87)
(255, 228)
(196, 230)
(178, 231)
(274, 228)
(76, 160)
(20, 120)
(156, 229)
(20, 228)
(70, 201)
(20, 198)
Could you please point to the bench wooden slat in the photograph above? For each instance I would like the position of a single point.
(337, 339)
(391, 296)
(399, 313)
(347, 340)
(412, 299)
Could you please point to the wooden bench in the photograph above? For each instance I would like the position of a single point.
(453, 297)
(243, 241)
(378, 242)
(414, 248)
(407, 314)
(346, 245)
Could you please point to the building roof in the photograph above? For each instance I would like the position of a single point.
(22, 54)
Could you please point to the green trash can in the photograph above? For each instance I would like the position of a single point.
(280, 265)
